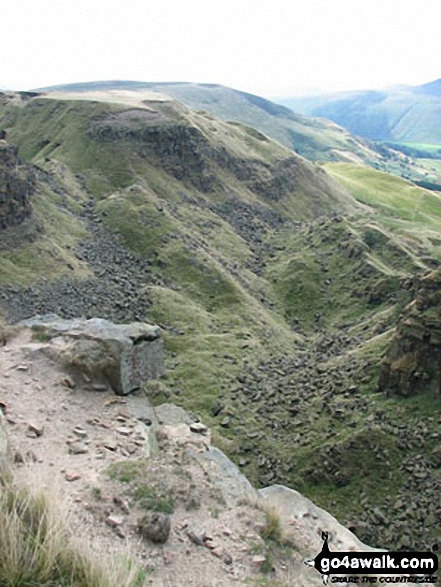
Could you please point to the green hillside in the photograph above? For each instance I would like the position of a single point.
(404, 114)
(277, 284)
(315, 139)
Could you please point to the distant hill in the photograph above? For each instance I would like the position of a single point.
(403, 114)
(314, 139)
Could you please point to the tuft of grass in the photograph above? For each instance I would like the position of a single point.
(36, 548)
(7, 331)
(147, 496)
(272, 530)
(126, 471)
(148, 499)
(40, 333)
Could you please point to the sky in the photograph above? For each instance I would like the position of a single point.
(273, 48)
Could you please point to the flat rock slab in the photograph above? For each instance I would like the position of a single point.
(308, 521)
(124, 355)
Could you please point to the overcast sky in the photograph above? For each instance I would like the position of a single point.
(268, 47)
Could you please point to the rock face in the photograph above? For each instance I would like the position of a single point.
(123, 355)
(309, 521)
(16, 185)
(413, 363)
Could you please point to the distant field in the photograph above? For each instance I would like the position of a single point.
(432, 149)
(397, 196)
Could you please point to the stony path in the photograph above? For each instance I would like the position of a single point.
(65, 439)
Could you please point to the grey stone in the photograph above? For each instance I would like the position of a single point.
(172, 415)
(197, 536)
(37, 429)
(226, 422)
(155, 527)
(17, 183)
(124, 355)
(199, 428)
(224, 474)
(78, 448)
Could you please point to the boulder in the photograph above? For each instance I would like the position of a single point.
(307, 521)
(155, 527)
(225, 476)
(123, 355)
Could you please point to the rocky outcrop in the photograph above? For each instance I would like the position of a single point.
(413, 363)
(178, 148)
(122, 355)
(16, 186)
(309, 521)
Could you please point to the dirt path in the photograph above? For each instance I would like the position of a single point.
(65, 438)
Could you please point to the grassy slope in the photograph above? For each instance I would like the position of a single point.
(315, 139)
(43, 246)
(224, 317)
(191, 248)
(413, 212)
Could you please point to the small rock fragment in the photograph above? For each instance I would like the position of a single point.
(123, 505)
(199, 428)
(226, 422)
(67, 381)
(114, 521)
(18, 457)
(110, 445)
(37, 429)
(71, 476)
(197, 536)
(78, 448)
(78, 431)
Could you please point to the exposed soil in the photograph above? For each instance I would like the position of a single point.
(64, 439)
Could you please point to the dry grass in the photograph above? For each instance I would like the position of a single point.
(36, 548)
(272, 530)
(7, 331)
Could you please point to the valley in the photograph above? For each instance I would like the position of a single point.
(278, 282)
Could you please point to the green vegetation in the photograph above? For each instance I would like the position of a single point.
(391, 195)
(141, 488)
(404, 115)
(44, 246)
(147, 499)
(418, 150)
(410, 211)
(315, 139)
(35, 549)
(126, 471)
(272, 530)
(276, 311)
